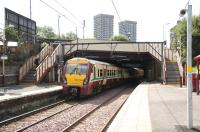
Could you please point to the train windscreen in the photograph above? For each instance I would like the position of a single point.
(77, 68)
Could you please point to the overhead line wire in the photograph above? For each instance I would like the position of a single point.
(67, 10)
(116, 10)
(58, 12)
(123, 26)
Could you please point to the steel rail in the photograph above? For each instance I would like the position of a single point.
(68, 128)
(37, 122)
(108, 123)
(10, 120)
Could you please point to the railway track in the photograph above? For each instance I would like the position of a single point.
(65, 117)
(85, 121)
(21, 116)
(39, 115)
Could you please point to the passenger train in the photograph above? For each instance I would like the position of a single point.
(83, 77)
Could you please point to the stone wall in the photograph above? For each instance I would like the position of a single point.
(11, 75)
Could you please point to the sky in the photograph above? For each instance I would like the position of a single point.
(154, 17)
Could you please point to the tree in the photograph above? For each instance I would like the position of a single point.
(12, 35)
(46, 32)
(119, 38)
(179, 36)
(71, 36)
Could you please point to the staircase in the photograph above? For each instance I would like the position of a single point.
(30, 77)
(28, 72)
(173, 66)
(172, 72)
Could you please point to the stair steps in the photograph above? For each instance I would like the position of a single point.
(30, 77)
(172, 72)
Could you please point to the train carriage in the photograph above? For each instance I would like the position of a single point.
(84, 77)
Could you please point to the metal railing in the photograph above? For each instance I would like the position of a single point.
(47, 64)
(180, 67)
(155, 49)
(44, 52)
(24, 69)
(170, 54)
(29, 64)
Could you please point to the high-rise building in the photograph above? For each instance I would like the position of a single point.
(103, 26)
(128, 29)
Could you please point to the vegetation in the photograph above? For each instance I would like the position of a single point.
(46, 32)
(179, 37)
(71, 36)
(12, 35)
(119, 38)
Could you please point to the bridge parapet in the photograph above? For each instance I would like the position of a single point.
(154, 48)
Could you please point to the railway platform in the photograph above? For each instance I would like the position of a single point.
(154, 107)
(19, 91)
(17, 99)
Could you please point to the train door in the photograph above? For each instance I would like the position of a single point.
(104, 75)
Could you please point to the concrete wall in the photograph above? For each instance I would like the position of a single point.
(19, 105)
(153, 70)
(11, 75)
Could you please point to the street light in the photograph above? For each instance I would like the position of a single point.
(59, 26)
(189, 65)
(163, 48)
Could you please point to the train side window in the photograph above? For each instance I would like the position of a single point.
(101, 73)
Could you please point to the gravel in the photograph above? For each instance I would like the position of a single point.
(14, 126)
(100, 118)
(59, 122)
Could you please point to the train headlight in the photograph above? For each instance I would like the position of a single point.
(86, 81)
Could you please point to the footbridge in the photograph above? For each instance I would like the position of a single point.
(158, 62)
(150, 56)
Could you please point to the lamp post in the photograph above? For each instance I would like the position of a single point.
(163, 48)
(189, 65)
(58, 26)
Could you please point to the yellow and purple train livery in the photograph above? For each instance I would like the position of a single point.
(84, 77)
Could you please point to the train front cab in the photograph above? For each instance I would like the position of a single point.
(76, 78)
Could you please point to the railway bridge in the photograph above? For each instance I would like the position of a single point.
(158, 62)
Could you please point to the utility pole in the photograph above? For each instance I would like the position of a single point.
(76, 42)
(189, 68)
(163, 54)
(58, 26)
(30, 10)
(83, 28)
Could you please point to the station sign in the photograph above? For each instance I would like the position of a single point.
(25, 26)
(4, 57)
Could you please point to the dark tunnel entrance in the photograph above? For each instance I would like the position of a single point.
(130, 60)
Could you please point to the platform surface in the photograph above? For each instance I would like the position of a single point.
(18, 91)
(153, 107)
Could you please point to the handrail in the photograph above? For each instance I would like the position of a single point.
(170, 54)
(70, 50)
(180, 67)
(164, 71)
(44, 52)
(29, 64)
(47, 63)
(154, 51)
(24, 69)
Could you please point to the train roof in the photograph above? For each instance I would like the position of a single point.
(89, 60)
